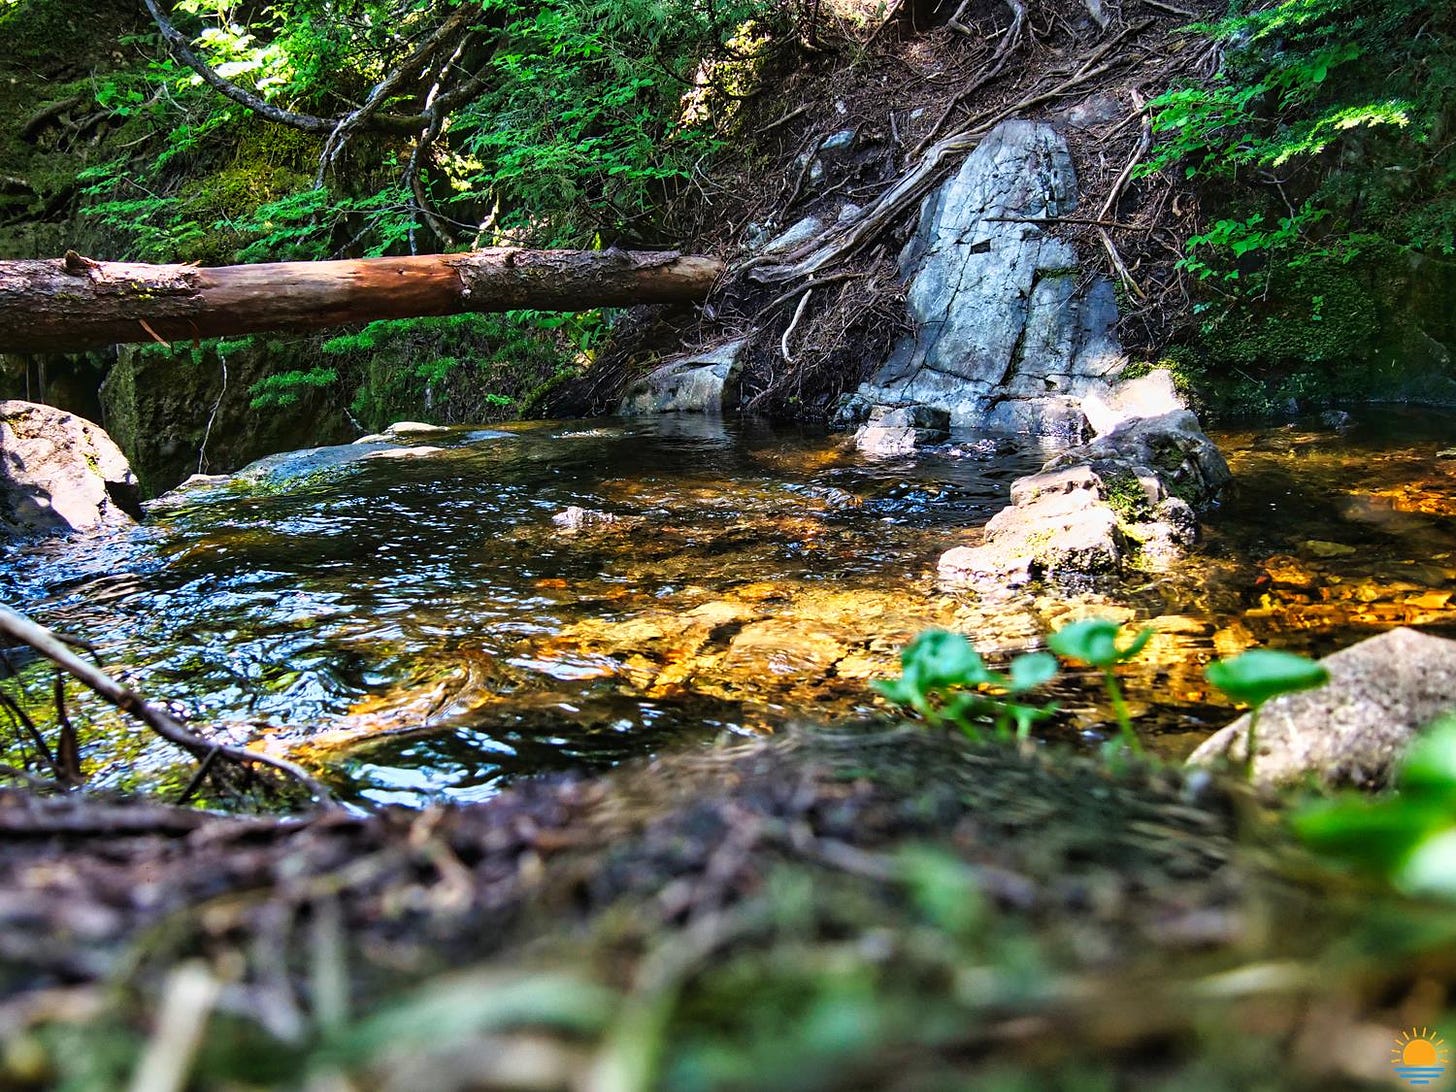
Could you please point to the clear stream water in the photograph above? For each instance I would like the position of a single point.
(430, 618)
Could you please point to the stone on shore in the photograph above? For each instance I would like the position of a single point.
(60, 473)
(1353, 730)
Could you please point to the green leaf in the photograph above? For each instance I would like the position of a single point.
(1032, 669)
(938, 659)
(1429, 770)
(1431, 868)
(1094, 641)
(1263, 673)
(895, 690)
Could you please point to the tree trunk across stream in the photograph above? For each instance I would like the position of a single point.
(74, 303)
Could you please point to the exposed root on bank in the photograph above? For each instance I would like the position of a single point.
(1038, 57)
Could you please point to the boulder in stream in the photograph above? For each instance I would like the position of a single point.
(1129, 499)
(704, 382)
(1351, 731)
(900, 431)
(60, 473)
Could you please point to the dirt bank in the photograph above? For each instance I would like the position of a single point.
(823, 910)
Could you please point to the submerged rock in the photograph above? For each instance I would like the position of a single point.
(1351, 731)
(900, 431)
(60, 473)
(1010, 330)
(575, 518)
(705, 382)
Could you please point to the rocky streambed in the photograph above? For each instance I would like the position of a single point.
(431, 612)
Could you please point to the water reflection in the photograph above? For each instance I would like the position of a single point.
(550, 596)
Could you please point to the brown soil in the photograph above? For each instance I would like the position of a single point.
(1129, 893)
(899, 88)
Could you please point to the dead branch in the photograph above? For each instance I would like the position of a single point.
(1009, 41)
(1118, 265)
(46, 114)
(22, 629)
(793, 325)
(391, 83)
(181, 48)
(1171, 9)
(1109, 206)
(1085, 221)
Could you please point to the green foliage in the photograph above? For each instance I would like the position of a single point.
(945, 680)
(1094, 641)
(1407, 838)
(1320, 147)
(1263, 673)
(1258, 675)
(282, 388)
(467, 367)
(584, 119)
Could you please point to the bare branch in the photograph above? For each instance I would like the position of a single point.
(391, 83)
(45, 642)
(181, 48)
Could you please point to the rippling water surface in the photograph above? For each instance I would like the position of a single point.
(475, 604)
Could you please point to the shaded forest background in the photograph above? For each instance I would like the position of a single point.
(1300, 184)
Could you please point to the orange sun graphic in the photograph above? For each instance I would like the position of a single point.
(1419, 1057)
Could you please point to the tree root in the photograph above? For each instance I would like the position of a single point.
(927, 172)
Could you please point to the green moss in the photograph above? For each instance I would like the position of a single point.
(1125, 496)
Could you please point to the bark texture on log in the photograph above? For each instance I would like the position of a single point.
(73, 303)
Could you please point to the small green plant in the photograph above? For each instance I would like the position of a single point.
(1407, 837)
(1258, 675)
(946, 681)
(1094, 641)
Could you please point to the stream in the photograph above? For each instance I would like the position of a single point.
(429, 617)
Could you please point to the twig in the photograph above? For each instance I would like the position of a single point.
(191, 994)
(203, 769)
(817, 282)
(794, 325)
(212, 417)
(1171, 9)
(1084, 220)
(790, 116)
(1117, 264)
(1009, 41)
(44, 641)
(68, 751)
(1114, 195)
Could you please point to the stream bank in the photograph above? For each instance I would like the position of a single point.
(826, 910)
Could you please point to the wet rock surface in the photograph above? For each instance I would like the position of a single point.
(60, 473)
(1129, 499)
(703, 382)
(1350, 732)
(900, 431)
(1011, 331)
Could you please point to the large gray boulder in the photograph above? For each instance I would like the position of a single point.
(705, 382)
(1010, 331)
(60, 473)
(1353, 730)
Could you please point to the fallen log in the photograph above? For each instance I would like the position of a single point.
(74, 303)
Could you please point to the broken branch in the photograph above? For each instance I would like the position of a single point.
(21, 628)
